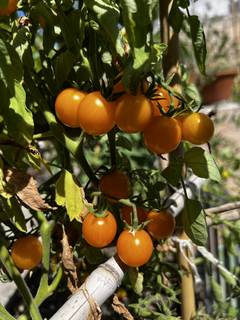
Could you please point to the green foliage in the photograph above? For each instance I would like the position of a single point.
(86, 45)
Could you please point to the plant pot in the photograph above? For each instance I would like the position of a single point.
(220, 88)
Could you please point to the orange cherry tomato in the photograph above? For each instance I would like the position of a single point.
(133, 113)
(164, 100)
(27, 252)
(10, 8)
(95, 114)
(162, 135)
(134, 247)
(115, 184)
(180, 120)
(126, 214)
(197, 128)
(99, 232)
(66, 106)
(162, 224)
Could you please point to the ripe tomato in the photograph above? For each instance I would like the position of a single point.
(95, 114)
(10, 8)
(115, 184)
(27, 252)
(133, 113)
(134, 247)
(66, 106)
(180, 120)
(162, 224)
(164, 100)
(126, 214)
(162, 135)
(197, 128)
(99, 232)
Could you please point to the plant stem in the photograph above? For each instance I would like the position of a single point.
(112, 146)
(20, 283)
(3, 312)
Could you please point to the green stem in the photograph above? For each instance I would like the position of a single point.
(3, 312)
(20, 283)
(180, 174)
(43, 135)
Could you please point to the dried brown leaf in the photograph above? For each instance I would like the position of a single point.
(69, 266)
(24, 187)
(162, 248)
(94, 311)
(165, 280)
(85, 210)
(119, 307)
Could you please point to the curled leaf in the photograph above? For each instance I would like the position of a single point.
(120, 308)
(24, 187)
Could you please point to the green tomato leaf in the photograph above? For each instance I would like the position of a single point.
(48, 73)
(18, 118)
(136, 279)
(192, 93)
(123, 142)
(14, 212)
(194, 222)
(16, 62)
(93, 255)
(228, 277)
(68, 192)
(62, 66)
(6, 67)
(175, 18)
(172, 173)
(34, 160)
(202, 164)
(107, 14)
(22, 45)
(217, 292)
(198, 42)
(228, 241)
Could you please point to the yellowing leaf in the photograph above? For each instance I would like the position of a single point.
(68, 192)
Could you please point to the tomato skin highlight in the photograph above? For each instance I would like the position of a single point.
(133, 113)
(95, 114)
(66, 106)
(99, 232)
(115, 184)
(198, 128)
(134, 247)
(162, 135)
(126, 214)
(10, 8)
(162, 224)
(164, 100)
(27, 252)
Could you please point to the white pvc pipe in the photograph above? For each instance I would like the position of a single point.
(100, 285)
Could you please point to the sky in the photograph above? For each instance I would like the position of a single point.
(209, 8)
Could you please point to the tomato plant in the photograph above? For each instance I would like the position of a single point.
(116, 184)
(164, 100)
(134, 247)
(95, 114)
(162, 224)
(26, 252)
(66, 106)
(133, 113)
(10, 8)
(126, 214)
(99, 231)
(198, 128)
(162, 135)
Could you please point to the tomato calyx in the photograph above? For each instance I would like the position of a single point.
(134, 219)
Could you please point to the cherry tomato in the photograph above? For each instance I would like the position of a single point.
(99, 232)
(162, 135)
(164, 100)
(10, 8)
(95, 114)
(133, 113)
(180, 120)
(126, 214)
(66, 106)
(4, 270)
(162, 224)
(115, 184)
(134, 247)
(121, 293)
(27, 252)
(197, 128)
